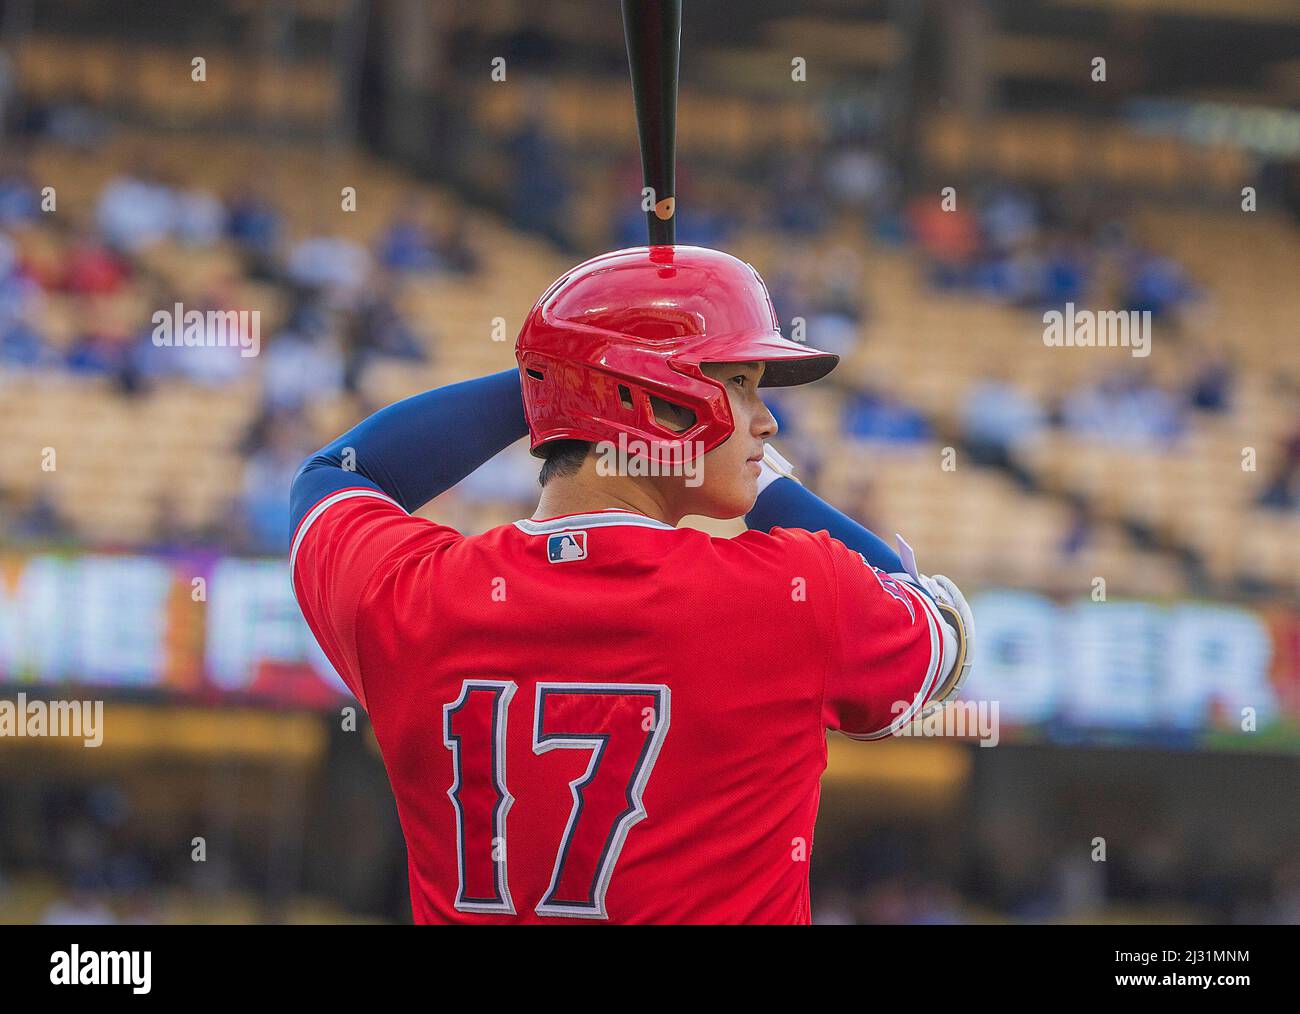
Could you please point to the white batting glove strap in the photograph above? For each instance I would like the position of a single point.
(943, 590)
(949, 637)
(773, 467)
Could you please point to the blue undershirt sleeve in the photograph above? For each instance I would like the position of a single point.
(787, 504)
(417, 448)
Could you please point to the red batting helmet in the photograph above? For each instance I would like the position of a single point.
(634, 325)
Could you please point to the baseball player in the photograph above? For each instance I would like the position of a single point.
(592, 714)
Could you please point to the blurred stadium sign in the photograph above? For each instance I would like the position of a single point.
(1079, 671)
(129, 622)
(1274, 133)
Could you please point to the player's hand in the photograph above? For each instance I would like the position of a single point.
(957, 613)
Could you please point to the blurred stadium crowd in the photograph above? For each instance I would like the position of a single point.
(936, 312)
(1069, 463)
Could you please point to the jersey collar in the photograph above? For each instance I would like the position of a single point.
(606, 518)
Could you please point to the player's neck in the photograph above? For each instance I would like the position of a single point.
(585, 492)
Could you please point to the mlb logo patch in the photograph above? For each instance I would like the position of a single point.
(566, 546)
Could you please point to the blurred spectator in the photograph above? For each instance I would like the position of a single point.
(709, 224)
(337, 266)
(628, 227)
(99, 352)
(879, 415)
(136, 211)
(1282, 490)
(1007, 217)
(1123, 408)
(267, 477)
(407, 244)
(253, 223)
(1156, 283)
(200, 218)
(38, 521)
(301, 366)
(831, 331)
(1017, 277)
(91, 268)
(800, 207)
(842, 275)
(948, 240)
(216, 357)
(1065, 273)
(456, 247)
(18, 199)
(857, 177)
(540, 189)
(828, 295)
(21, 347)
(77, 121)
(510, 475)
(1001, 419)
(1211, 386)
(378, 331)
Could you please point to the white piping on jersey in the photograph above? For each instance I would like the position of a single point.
(932, 618)
(318, 510)
(597, 520)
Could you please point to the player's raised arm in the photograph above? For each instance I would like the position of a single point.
(784, 502)
(351, 501)
(415, 449)
(903, 638)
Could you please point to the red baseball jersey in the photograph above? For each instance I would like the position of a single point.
(601, 716)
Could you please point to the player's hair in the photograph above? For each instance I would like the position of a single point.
(563, 458)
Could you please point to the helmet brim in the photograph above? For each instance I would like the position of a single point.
(789, 364)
